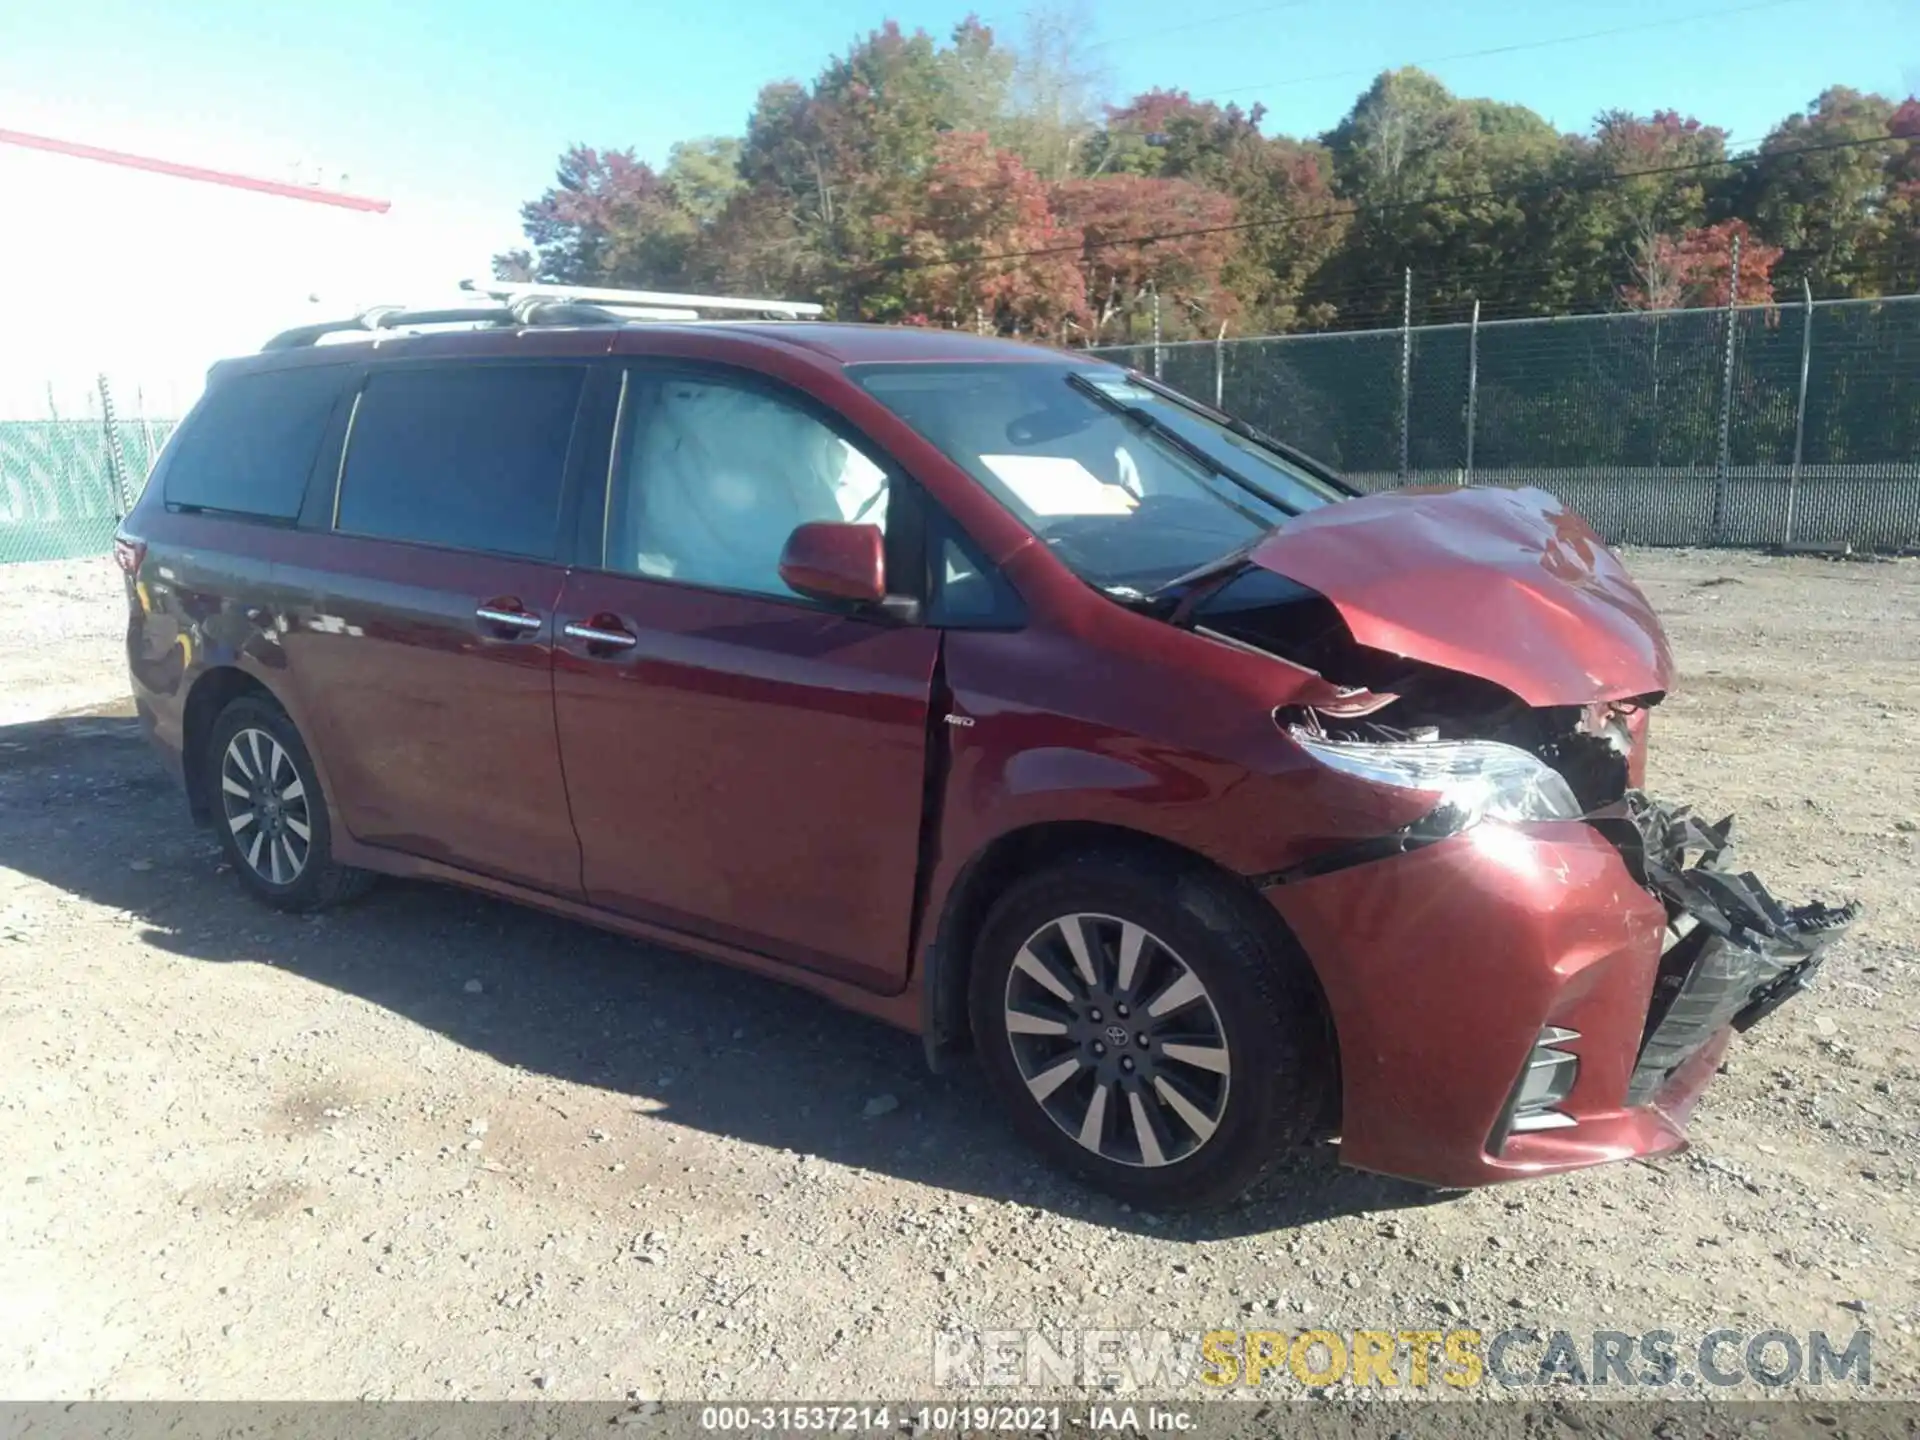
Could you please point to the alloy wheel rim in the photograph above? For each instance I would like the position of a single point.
(267, 807)
(1117, 1040)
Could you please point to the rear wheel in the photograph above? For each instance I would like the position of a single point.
(270, 813)
(1148, 1029)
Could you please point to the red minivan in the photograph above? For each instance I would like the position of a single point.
(991, 690)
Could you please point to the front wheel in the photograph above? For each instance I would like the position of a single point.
(1148, 1029)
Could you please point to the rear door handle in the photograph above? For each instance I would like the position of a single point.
(595, 635)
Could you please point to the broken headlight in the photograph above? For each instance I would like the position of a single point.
(1476, 779)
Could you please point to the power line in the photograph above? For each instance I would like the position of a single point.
(1526, 45)
(1586, 182)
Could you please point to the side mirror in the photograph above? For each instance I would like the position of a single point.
(833, 560)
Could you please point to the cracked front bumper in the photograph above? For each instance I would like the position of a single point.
(1442, 967)
(1735, 953)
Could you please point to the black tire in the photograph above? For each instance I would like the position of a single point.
(266, 866)
(1259, 997)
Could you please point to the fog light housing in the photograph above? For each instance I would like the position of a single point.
(1544, 1081)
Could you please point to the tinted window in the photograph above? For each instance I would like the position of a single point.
(253, 440)
(467, 456)
(715, 477)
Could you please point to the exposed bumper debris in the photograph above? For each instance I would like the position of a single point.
(1734, 954)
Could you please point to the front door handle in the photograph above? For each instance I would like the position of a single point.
(596, 635)
(515, 622)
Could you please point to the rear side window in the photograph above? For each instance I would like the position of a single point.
(249, 447)
(471, 457)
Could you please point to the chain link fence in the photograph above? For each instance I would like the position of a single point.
(65, 484)
(1762, 425)
(1765, 425)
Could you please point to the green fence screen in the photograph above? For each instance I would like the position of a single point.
(59, 496)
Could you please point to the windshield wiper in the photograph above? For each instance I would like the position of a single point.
(1234, 560)
(1159, 428)
(1235, 425)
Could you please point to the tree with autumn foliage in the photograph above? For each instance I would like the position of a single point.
(1609, 232)
(971, 182)
(1899, 269)
(1696, 269)
(980, 246)
(608, 219)
(1145, 239)
(1282, 190)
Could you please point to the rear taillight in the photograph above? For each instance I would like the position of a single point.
(129, 552)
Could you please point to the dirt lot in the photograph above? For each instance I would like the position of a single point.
(434, 1146)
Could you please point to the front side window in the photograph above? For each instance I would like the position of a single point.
(250, 445)
(467, 456)
(713, 477)
(1129, 489)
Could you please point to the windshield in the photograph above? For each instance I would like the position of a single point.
(1129, 488)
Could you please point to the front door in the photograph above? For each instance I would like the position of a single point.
(743, 763)
(420, 638)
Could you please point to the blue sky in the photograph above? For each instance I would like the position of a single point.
(465, 106)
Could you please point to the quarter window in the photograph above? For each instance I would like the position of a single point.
(252, 442)
(714, 477)
(471, 457)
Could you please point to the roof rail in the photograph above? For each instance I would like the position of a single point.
(397, 317)
(662, 303)
(528, 304)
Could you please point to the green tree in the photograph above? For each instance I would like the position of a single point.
(1420, 164)
(705, 175)
(1608, 233)
(842, 155)
(1824, 207)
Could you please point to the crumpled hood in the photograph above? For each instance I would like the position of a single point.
(1509, 585)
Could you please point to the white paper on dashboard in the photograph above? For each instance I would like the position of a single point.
(1058, 485)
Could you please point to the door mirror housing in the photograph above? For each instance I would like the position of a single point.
(835, 560)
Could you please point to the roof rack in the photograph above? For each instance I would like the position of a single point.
(509, 292)
(527, 304)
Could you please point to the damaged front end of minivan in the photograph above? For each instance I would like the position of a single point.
(1543, 971)
(1734, 955)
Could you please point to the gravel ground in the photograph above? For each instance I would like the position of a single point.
(62, 637)
(434, 1146)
